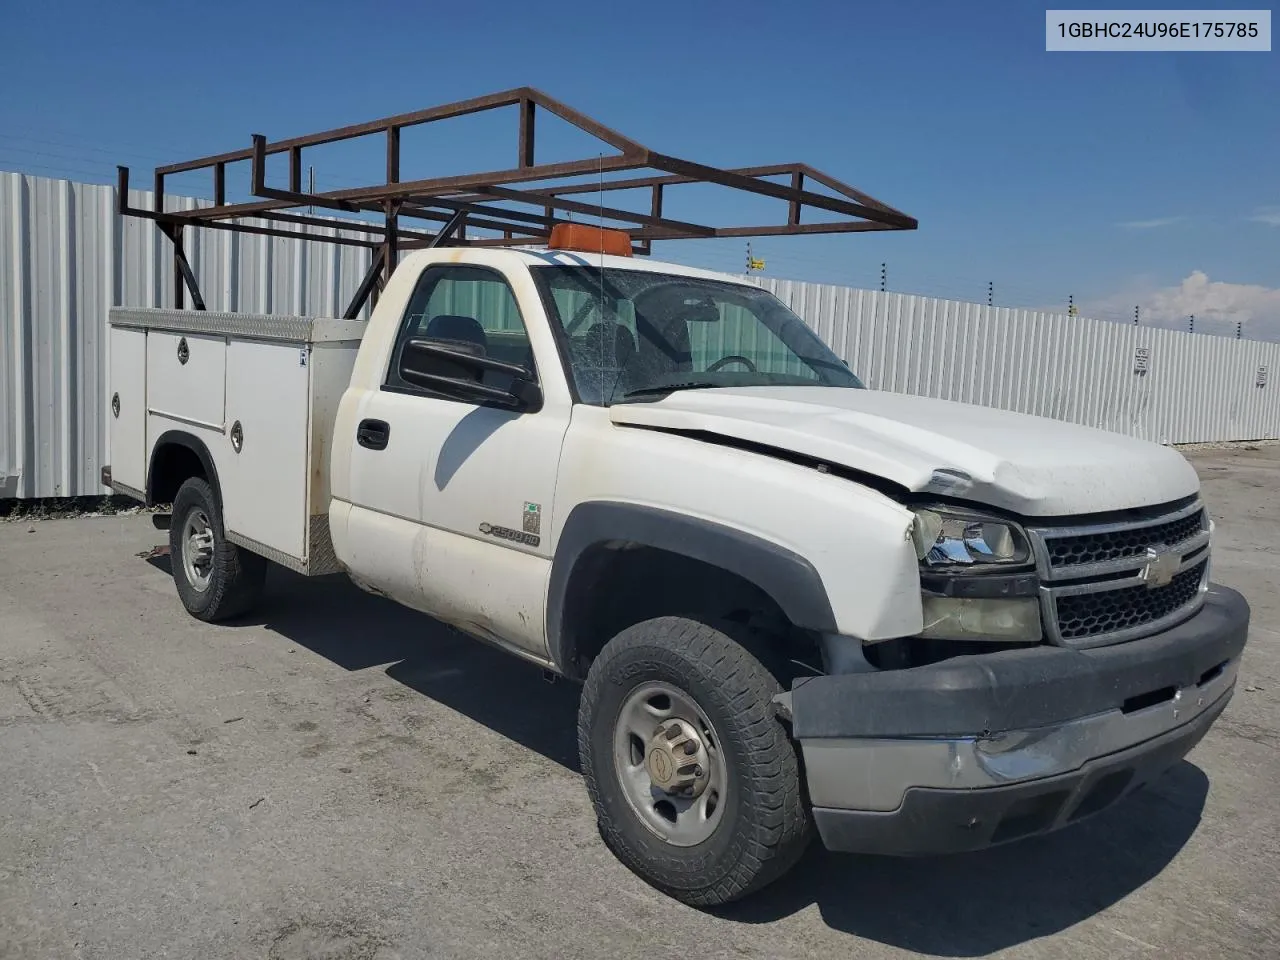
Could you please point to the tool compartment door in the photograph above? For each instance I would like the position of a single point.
(127, 403)
(264, 484)
(186, 378)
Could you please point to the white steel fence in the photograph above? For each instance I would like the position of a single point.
(65, 257)
(1161, 385)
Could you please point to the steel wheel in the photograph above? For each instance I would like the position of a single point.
(197, 549)
(695, 783)
(670, 765)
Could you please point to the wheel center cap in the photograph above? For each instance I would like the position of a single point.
(661, 766)
(677, 759)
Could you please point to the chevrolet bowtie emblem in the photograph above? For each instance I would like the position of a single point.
(1161, 567)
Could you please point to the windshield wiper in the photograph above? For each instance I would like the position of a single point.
(668, 387)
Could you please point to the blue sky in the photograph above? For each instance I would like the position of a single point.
(1118, 178)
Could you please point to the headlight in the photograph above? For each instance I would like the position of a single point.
(993, 605)
(946, 538)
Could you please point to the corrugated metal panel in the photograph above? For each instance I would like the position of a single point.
(65, 258)
(1197, 388)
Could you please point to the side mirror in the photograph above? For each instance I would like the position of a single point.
(527, 394)
(457, 369)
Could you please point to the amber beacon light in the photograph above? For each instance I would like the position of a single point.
(584, 238)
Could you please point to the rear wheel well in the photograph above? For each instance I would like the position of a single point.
(173, 462)
(617, 584)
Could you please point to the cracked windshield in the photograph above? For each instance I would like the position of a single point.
(633, 334)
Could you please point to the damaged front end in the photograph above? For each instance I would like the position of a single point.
(1060, 667)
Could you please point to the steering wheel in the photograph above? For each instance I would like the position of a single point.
(732, 358)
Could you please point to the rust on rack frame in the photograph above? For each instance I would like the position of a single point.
(491, 208)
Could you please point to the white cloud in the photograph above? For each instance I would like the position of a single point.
(1268, 215)
(1217, 306)
(1150, 224)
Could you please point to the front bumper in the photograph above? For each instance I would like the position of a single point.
(981, 750)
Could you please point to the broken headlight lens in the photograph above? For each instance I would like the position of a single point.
(963, 618)
(946, 539)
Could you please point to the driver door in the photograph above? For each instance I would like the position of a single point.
(477, 479)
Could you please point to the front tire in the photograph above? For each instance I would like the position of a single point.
(706, 806)
(215, 578)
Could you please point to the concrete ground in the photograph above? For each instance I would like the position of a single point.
(341, 778)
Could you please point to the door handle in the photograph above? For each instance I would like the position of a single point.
(373, 434)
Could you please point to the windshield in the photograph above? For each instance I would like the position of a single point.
(633, 334)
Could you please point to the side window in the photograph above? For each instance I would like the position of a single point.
(468, 309)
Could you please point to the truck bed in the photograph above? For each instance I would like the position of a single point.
(259, 393)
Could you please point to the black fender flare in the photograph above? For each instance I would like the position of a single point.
(788, 578)
(182, 438)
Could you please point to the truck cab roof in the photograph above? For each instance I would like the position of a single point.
(539, 256)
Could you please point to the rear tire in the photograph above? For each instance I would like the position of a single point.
(216, 579)
(758, 826)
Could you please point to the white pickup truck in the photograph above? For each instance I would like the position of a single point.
(915, 626)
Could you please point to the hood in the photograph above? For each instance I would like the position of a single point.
(1033, 466)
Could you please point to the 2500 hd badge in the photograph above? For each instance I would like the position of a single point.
(506, 533)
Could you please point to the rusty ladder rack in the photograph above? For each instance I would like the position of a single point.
(489, 201)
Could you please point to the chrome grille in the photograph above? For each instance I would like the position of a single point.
(1118, 544)
(1107, 583)
(1087, 615)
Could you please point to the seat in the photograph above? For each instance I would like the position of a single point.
(463, 331)
(664, 351)
(601, 358)
(609, 340)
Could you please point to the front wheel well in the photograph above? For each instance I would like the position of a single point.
(615, 585)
